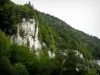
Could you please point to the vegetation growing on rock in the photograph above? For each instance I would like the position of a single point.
(59, 38)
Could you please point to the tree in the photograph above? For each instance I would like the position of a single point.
(4, 43)
(20, 54)
(5, 66)
(20, 69)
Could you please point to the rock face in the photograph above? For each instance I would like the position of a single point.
(96, 62)
(51, 55)
(27, 34)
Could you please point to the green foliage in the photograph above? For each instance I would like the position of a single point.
(19, 54)
(58, 37)
(11, 14)
(4, 43)
(5, 66)
(20, 69)
(91, 72)
(66, 37)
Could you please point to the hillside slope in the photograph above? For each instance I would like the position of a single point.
(64, 50)
(65, 34)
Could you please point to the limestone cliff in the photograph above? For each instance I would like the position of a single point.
(27, 34)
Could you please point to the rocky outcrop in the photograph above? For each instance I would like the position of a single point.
(27, 34)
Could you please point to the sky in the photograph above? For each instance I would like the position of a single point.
(83, 15)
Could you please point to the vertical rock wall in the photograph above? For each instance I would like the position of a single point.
(27, 34)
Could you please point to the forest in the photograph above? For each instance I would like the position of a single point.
(59, 37)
